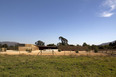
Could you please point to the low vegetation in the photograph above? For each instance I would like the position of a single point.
(57, 66)
(77, 51)
(29, 50)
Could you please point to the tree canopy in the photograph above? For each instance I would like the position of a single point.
(40, 43)
(64, 41)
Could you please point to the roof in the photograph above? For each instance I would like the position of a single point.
(47, 47)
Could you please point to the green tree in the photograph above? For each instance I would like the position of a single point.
(59, 44)
(77, 45)
(5, 46)
(110, 44)
(85, 44)
(40, 43)
(0, 46)
(96, 50)
(11, 48)
(106, 48)
(64, 41)
(93, 47)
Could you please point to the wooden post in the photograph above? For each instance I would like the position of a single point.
(102, 51)
(52, 52)
(112, 52)
(19, 52)
(41, 52)
(64, 52)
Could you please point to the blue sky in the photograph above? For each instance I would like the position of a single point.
(26, 21)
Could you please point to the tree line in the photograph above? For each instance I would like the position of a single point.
(9, 47)
(63, 45)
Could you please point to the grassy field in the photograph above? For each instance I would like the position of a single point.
(57, 66)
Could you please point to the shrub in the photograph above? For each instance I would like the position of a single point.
(77, 51)
(87, 50)
(96, 50)
(29, 50)
(59, 50)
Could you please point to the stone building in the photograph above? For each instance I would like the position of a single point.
(24, 47)
(3, 49)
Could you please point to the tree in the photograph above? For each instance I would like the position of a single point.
(93, 47)
(110, 44)
(85, 44)
(96, 50)
(11, 48)
(40, 43)
(0, 46)
(77, 45)
(5, 46)
(16, 47)
(64, 41)
(59, 44)
(88, 49)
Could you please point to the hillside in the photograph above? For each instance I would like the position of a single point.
(107, 43)
(9, 43)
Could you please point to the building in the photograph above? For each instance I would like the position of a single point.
(24, 47)
(3, 49)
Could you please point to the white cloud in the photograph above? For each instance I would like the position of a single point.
(106, 14)
(111, 6)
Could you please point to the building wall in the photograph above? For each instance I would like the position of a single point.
(51, 50)
(28, 46)
(3, 49)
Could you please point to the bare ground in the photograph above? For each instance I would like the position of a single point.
(81, 53)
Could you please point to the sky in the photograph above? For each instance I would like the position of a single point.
(27, 21)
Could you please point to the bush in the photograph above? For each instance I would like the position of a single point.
(95, 50)
(59, 50)
(29, 50)
(77, 51)
(87, 50)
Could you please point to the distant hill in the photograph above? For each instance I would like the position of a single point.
(9, 43)
(107, 43)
